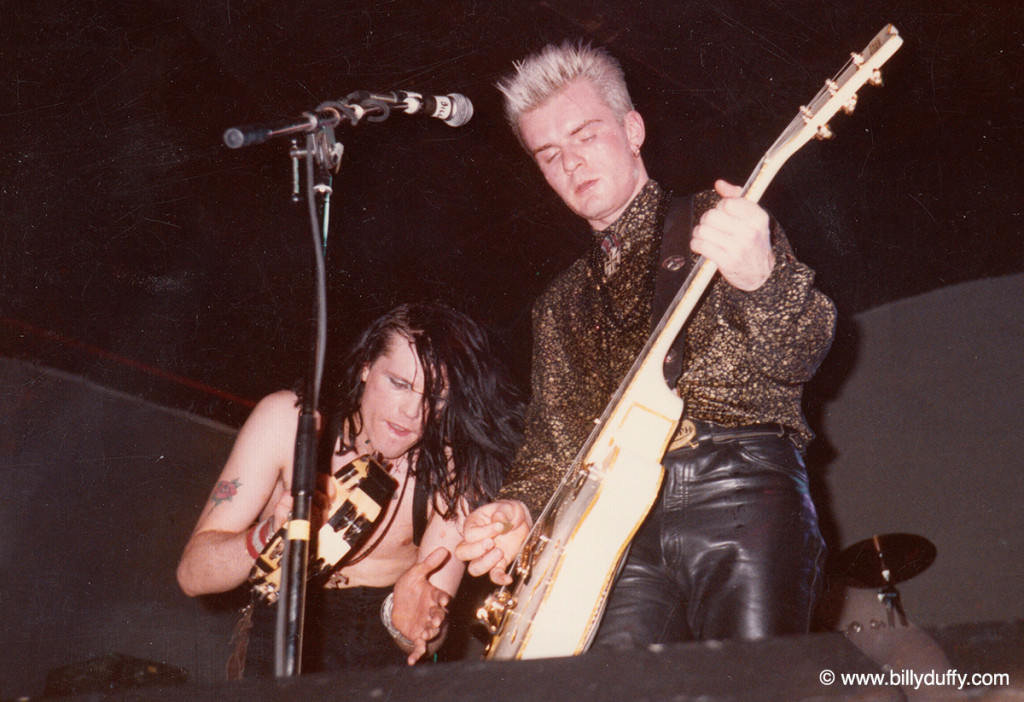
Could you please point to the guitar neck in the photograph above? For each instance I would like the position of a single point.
(839, 93)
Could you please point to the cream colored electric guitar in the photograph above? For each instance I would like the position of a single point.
(566, 567)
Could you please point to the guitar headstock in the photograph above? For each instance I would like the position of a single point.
(839, 93)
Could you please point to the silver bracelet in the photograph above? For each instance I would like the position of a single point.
(385, 618)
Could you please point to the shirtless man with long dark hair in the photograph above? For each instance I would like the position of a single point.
(421, 389)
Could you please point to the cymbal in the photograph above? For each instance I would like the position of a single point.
(885, 559)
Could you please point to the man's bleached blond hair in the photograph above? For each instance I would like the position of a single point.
(541, 75)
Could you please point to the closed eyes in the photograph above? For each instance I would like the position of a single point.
(399, 384)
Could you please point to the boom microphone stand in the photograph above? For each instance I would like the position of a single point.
(321, 155)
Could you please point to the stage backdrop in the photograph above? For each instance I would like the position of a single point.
(923, 436)
(917, 410)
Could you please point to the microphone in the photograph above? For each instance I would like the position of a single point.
(453, 109)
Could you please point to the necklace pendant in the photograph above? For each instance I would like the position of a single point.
(611, 263)
(611, 246)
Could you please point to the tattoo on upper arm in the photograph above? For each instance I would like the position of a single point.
(224, 490)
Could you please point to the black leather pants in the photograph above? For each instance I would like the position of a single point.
(731, 548)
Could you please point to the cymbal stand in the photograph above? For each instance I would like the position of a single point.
(888, 595)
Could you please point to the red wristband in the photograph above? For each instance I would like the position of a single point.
(257, 537)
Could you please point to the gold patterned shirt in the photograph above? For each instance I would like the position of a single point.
(746, 358)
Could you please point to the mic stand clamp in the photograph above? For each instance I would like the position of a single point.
(326, 151)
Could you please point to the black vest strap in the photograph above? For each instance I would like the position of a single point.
(419, 511)
(328, 439)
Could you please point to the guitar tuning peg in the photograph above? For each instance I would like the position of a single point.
(850, 105)
(876, 77)
(823, 133)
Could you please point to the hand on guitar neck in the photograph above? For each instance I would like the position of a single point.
(492, 537)
(735, 235)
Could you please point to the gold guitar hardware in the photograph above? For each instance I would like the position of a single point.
(495, 609)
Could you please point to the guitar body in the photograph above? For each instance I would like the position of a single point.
(567, 567)
(564, 592)
(565, 570)
(363, 489)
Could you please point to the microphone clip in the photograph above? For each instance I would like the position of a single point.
(326, 149)
(372, 108)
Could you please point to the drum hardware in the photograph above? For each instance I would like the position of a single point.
(882, 561)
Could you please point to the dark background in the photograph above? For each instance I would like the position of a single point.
(141, 252)
(150, 265)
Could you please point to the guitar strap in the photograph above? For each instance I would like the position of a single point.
(674, 265)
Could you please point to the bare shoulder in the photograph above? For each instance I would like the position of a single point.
(274, 416)
(282, 402)
(258, 468)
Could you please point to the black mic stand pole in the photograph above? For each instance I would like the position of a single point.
(321, 155)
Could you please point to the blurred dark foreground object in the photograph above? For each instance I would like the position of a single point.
(112, 672)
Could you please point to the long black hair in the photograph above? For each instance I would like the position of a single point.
(478, 424)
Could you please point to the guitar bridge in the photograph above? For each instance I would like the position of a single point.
(495, 609)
